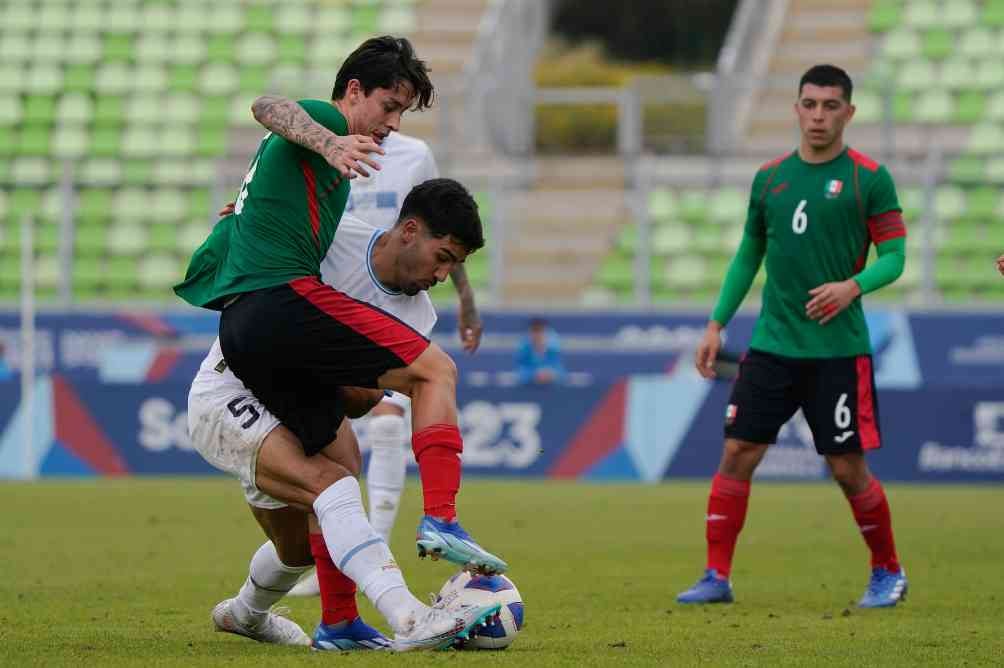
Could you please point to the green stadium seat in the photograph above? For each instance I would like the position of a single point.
(90, 239)
(219, 79)
(986, 139)
(187, 50)
(113, 79)
(200, 204)
(48, 273)
(949, 203)
(221, 49)
(12, 78)
(993, 14)
(397, 21)
(145, 109)
(100, 172)
(670, 239)
(901, 44)
(626, 242)
(31, 171)
(967, 169)
(88, 274)
(153, 48)
(616, 273)
(39, 109)
(983, 203)
(46, 236)
(686, 272)
(140, 141)
(728, 205)
(731, 236)
(694, 205)
(177, 141)
(163, 237)
(10, 110)
(935, 106)
(707, 239)
(127, 239)
(224, 18)
(240, 110)
(181, 108)
(183, 78)
(83, 49)
(995, 171)
(291, 49)
(158, 17)
(990, 74)
(106, 141)
(332, 20)
(191, 235)
(79, 78)
(662, 205)
(20, 16)
(167, 204)
(70, 141)
(34, 141)
(253, 80)
(118, 47)
(52, 205)
(256, 49)
(87, 18)
(977, 42)
(14, 48)
(149, 78)
(959, 14)
(137, 172)
(971, 108)
(121, 275)
(259, 18)
(75, 108)
(8, 142)
(916, 75)
(54, 17)
(212, 141)
(293, 19)
(938, 44)
(922, 14)
(957, 74)
(158, 272)
(869, 106)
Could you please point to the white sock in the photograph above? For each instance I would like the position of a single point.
(386, 435)
(268, 581)
(363, 555)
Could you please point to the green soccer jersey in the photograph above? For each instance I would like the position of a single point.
(284, 219)
(818, 221)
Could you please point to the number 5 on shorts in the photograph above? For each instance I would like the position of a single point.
(236, 410)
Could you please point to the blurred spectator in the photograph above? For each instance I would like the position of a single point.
(5, 371)
(538, 357)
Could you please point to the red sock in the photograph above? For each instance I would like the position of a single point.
(726, 514)
(871, 512)
(437, 450)
(338, 592)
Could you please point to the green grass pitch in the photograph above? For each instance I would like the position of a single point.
(125, 572)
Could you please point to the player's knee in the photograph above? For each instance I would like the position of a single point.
(387, 430)
(326, 473)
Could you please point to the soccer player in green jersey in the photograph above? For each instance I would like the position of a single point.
(296, 342)
(813, 214)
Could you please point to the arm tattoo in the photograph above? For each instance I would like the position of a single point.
(287, 119)
(461, 283)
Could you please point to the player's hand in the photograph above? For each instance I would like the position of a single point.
(830, 299)
(350, 155)
(1000, 265)
(471, 329)
(227, 210)
(707, 350)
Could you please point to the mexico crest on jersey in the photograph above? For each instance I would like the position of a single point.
(834, 188)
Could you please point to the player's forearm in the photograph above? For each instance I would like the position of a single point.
(739, 278)
(886, 268)
(463, 286)
(288, 119)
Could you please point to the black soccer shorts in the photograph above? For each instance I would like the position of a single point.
(295, 345)
(836, 395)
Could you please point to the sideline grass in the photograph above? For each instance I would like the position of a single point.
(125, 572)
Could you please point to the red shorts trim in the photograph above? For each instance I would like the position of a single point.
(866, 405)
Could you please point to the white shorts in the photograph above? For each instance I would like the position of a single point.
(227, 426)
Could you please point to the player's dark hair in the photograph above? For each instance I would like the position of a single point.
(447, 209)
(827, 75)
(384, 62)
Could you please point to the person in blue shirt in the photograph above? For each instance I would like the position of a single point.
(538, 356)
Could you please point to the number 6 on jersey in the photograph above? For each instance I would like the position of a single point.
(801, 219)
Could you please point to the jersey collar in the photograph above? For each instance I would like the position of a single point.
(369, 266)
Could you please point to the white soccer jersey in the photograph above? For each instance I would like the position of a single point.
(377, 199)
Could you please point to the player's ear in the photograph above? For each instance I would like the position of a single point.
(410, 229)
(850, 111)
(354, 89)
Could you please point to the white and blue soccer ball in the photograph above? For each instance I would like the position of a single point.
(467, 589)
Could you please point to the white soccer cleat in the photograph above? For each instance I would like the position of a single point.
(273, 628)
(307, 586)
(439, 626)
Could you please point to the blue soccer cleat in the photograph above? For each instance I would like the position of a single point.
(448, 540)
(356, 635)
(885, 589)
(709, 589)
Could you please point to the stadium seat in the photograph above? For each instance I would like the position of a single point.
(986, 139)
(935, 106)
(728, 206)
(670, 239)
(922, 14)
(993, 13)
(970, 108)
(938, 44)
(901, 44)
(959, 14)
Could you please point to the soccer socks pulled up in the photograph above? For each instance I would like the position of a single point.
(727, 505)
(437, 450)
(386, 435)
(338, 591)
(871, 512)
(268, 581)
(361, 554)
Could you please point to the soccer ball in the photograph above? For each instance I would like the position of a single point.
(465, 588)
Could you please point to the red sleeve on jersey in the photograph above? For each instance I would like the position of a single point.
(776, 161)
(862, 160)
(886, 226)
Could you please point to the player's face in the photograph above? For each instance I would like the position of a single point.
(425, 260)
(822, 114)
(379, 113)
